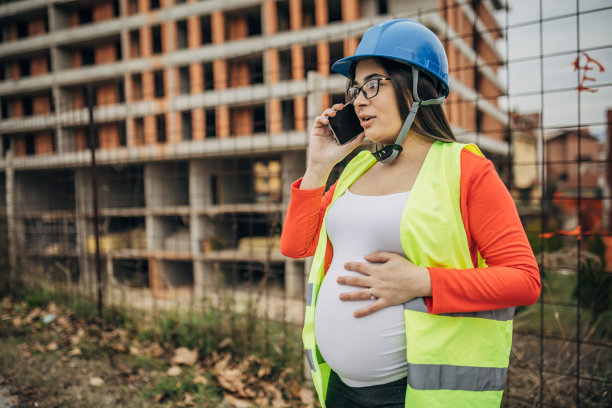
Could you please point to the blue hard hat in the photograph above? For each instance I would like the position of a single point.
(405, 41)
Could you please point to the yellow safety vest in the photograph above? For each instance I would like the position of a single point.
(454, 360)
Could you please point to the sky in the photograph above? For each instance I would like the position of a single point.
(568, 26)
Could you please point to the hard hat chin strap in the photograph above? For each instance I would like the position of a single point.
(389, 153)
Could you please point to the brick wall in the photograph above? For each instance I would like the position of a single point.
(43, 143)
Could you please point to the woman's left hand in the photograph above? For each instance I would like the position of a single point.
(389, 277)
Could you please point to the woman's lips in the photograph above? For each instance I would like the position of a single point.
(367, 121)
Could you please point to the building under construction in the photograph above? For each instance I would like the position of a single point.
(198, 112)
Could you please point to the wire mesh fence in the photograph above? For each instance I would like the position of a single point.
(201, 126)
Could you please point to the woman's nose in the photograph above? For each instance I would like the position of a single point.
(361, 98)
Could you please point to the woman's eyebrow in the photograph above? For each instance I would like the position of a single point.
(368, 77)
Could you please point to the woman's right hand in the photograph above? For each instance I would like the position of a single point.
(323, 149)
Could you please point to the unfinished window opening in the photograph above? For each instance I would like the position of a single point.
(133, 273)
(29, 144)
(334, 8)
(383, 7)
(181, 34)
(247, 21)
(22, 29)
(85, 15)
(158, 82)
(137, 86)
(24, 68)
(6, 145)
(160, 121)
(205, 29)
(118, 52)
(120, 88)
(259, 118)
(88, 56)
(139, 131)
(282, 15)
(243, 229)
(118, 233)
(248, 275)
(60, 269)
(134, 43)
(132, 7)
(336, 51)
(308, 13)
(246, 71)
(268, 182)
(184, 83)
(207, 71)
(154, 4)
(156, 42)
(254, 20)
(50, 190)
(6, 109)
(310, 58)
(177, 275)
(288, 115)
(284, 58)
(255, 64)
(186, 129)
(121, 187)
(232, 183)
(171, 234)
(122, 129)
(211, 123)
(27, 105)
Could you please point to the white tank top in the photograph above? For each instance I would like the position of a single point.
(368, 350)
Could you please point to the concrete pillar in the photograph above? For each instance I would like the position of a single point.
(294, 279)
(83, 204)
(11, 221)
(199, 198)
(293, 165)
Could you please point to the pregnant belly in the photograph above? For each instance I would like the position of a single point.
(364, 351)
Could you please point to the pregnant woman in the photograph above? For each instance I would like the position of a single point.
(419, 253)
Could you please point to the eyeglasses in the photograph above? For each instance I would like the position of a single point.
(369, 89)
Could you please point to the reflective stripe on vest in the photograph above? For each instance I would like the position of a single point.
(457, 359)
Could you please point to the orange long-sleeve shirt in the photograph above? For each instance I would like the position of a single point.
(493, 228)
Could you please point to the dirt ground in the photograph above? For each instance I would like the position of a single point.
(51, 358)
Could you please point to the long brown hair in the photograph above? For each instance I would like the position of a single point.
(430, 120)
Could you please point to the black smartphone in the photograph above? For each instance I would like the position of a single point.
(345, 125)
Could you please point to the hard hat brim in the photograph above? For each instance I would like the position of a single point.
(343, 67)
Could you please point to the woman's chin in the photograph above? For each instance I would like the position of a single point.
(376, 138)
